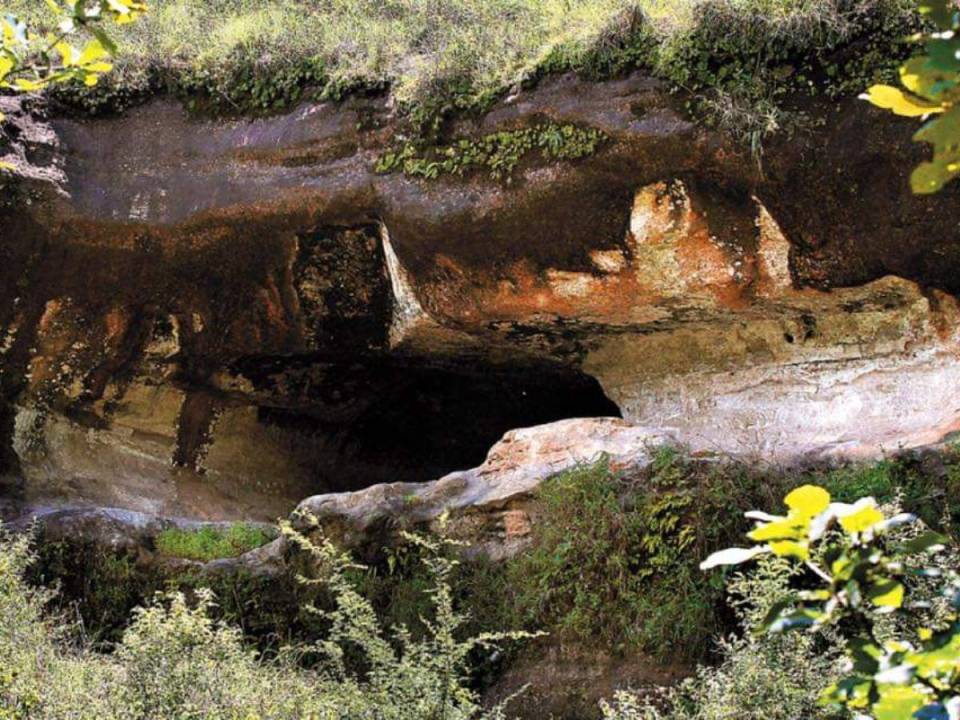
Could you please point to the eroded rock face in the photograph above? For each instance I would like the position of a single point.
(224, 317)
(743, 363)
(489, 506)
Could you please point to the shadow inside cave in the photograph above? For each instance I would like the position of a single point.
(396, 420)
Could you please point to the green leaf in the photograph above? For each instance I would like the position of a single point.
(927, 542)
(773, 614)
(942, 132)
(865, 655)
(930, 177)
(939, 11)
(921, 79)
(943, 54)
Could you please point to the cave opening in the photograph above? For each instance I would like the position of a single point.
(390, 420)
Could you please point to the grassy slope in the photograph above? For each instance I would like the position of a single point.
(629, 582)
(261, 54)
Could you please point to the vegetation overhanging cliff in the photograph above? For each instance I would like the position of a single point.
(738, 60)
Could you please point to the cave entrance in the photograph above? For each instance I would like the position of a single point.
(395, 421)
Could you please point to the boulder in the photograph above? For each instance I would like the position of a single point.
(488, 507)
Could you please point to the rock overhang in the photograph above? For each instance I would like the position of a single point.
(198, 259)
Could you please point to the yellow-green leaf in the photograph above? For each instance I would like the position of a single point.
(28, 85)
(898, 702)
(68, 53)
(861, 520)
(782, 530)
(899, 102)
(917, 76)
(930, 177)
(808, 500)
(887, 594)
(92, 51)
(790, 548)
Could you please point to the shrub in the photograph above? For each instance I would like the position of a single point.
(857, 569)
(783, 676)
(612, 559)
(175, 662)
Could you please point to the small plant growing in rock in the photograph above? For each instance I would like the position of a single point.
(854, 570)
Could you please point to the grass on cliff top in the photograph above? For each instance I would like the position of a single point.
(441, 54)
(212, 542)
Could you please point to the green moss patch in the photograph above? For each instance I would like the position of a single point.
(498, 154)
(212, 542)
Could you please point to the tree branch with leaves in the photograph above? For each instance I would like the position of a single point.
(856, 569)
(79, 49)
(931, 90)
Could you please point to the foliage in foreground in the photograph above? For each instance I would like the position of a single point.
(794, 675)
(856, 570)
(932, 83)
(175, 662)
(30, 62)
